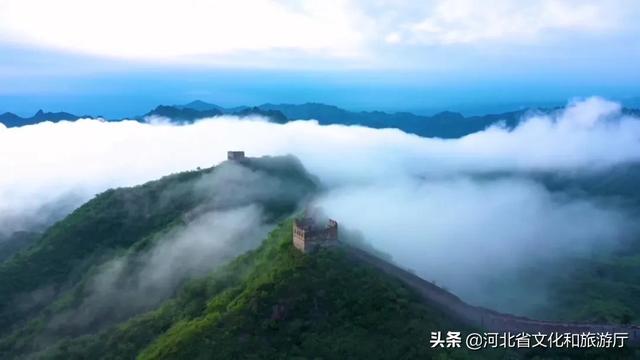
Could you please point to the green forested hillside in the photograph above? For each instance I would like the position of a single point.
(271, 302)
(113, 220)
(15, 242)
(276, 303)
(53, 275)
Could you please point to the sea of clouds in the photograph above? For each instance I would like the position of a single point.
(435, 205)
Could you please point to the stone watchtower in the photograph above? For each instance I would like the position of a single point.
(311, 234)
(235, 155)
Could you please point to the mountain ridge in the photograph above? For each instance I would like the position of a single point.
(444, 124)
(272, 299)
(282, 304)
(12, 120)
(46, 284)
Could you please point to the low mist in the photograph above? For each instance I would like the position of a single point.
(130, 284)
(474, 236)
(460, 212)
(234, 214)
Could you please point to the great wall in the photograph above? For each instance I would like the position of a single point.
(483, 318)
(310, 235)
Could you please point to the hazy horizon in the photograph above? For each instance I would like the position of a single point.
(421, 57)
(103, 107)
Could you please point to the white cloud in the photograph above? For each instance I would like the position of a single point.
(269, 32)
(468, 21)
(471, 235)
(169, 30)
(428, 202)
(50, 160)
(393, 38)
(135, 282)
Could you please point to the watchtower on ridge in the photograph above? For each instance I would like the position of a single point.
(311, 233)
(235, 155)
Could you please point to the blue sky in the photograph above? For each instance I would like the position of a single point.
(118, 58)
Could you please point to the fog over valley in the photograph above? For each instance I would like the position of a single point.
(468, 213)
(349, 179)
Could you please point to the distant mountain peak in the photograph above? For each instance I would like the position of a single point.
(199, 102)
(450, 115)
(200, 105)
(181, 113)
(273, 115)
